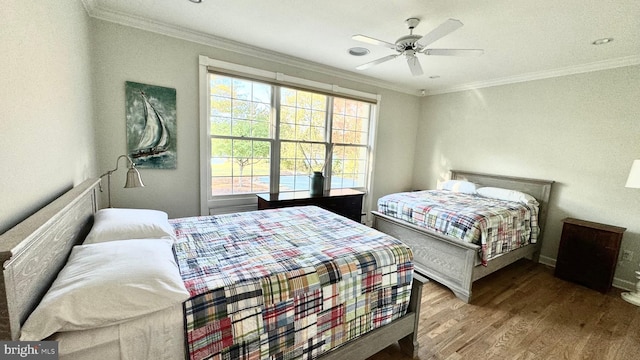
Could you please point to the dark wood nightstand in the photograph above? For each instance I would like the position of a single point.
(345, 202)
(588, 253)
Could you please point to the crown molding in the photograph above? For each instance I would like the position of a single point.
(96, 11)
(540, 75)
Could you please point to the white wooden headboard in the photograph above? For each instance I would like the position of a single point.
(33, 252)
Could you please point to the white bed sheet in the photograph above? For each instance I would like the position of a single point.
(159, 335)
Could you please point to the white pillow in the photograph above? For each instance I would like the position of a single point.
(507, 194)
(460, 186)
(108, 283)
(124, 224)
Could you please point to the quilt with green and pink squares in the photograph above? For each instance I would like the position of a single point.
(288, 283)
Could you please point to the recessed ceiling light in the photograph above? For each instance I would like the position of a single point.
(602, 41)
(196, 1)
(358, 51)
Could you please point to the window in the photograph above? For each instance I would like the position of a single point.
(350, 136)
(266, 137)
(241, 134)
(303, 136)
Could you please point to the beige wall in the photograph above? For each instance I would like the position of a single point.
(128, 54)
(583, 131)
(46, 98)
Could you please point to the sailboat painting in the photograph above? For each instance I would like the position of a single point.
(151, 125)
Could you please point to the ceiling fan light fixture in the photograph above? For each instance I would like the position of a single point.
(602, 41)
(358, 51)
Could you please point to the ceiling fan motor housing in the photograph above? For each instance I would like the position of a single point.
(407, 42)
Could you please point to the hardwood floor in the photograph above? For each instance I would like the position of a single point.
(524, 312)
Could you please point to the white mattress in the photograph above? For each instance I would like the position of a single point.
(159, 335)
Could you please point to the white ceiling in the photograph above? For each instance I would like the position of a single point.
(522, 40)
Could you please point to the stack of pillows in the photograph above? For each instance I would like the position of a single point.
(467, 187)
(125, 269)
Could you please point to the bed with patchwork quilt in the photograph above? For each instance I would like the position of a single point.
(291, 283)
(462, 234)
(294, 283)
(497, 226)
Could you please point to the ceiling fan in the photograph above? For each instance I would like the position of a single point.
(411, 45)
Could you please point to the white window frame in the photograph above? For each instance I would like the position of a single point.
(210, 205)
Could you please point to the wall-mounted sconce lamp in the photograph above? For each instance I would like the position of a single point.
(133, 177)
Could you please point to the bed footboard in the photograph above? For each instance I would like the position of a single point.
(403, 330)
(437, 257)
(450, 262)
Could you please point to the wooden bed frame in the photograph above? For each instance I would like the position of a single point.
(33, 252)
(453, 262)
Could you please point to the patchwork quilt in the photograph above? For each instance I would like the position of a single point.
(498, 226)
(287, 283)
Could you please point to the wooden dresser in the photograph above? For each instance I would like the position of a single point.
(345, 202)
(588, 253)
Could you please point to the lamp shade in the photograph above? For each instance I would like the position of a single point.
(634, 175)
(133, 178)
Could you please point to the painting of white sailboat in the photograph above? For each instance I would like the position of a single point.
(151, 125)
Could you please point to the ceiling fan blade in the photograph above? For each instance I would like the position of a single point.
(445, 28)
(370, 40)
(454, 52)
(414, 65)
(376, 62)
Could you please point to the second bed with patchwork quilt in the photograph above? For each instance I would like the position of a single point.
(498, 226)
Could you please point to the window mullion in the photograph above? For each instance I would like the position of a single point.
(329, 142)
(274, 184)
(230, 137)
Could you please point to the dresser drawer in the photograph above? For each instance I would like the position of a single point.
(345, 202)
